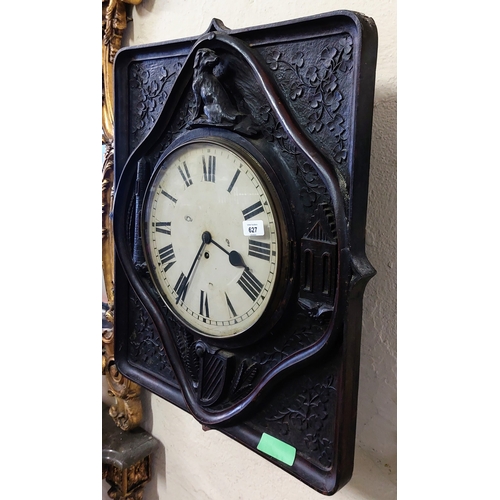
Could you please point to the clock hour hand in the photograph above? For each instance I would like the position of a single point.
(235, 259)
(181, 292)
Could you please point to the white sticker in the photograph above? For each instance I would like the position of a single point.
(253, 228)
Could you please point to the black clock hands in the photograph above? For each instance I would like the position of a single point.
(183, 282)
(235, 259)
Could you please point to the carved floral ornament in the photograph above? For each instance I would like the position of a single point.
(319, 80)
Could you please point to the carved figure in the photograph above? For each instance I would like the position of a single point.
(209, 92)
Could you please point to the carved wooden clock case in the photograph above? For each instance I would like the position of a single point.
(242, 161)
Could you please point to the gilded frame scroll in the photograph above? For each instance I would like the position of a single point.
(127, 410)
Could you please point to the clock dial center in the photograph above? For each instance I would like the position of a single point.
(211, 189)
(206, 237)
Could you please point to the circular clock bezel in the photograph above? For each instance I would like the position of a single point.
(275, 193)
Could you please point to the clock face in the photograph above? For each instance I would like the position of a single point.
(212, 237)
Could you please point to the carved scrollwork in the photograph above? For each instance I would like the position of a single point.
(317, 81)
(145, 346)
(107, 236)
(313, 190)
(114, 22)
(314, 87)
(150, 85)
(127, 410)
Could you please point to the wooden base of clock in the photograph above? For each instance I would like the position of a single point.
(298, 98)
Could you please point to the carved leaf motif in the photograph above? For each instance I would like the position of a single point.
(249, 375)
(340, 154)
(298, 59)
(273, 59)
(333, 99)
(296, 90)
(153, 85)
(314, 124)
(242, 380)
(311, 75)
(236, 379)
(327, 56)
(298, 340)
(336, 126)
(309, 413)
(145, 344)
(316, 101)
(309, 410)
(186, 345)
(315, 190)
(317, 83)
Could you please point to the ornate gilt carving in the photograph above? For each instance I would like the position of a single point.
(114, 22)
(127, 411)
(127, 484)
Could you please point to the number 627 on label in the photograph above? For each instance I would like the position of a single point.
(253, 228)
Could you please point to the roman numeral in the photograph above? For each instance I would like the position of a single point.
(185, 174)
(169, 196)
(250, 284)
(181, 288)
(231, 308)
(204, 304)
(209, 171)
(253, 210)
(259, 249)
(233, 182)
(167, 256)
(162, 227)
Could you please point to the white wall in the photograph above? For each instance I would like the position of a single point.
(196, 465)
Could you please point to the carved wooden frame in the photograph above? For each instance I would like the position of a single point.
(322, 158)
(127, 410)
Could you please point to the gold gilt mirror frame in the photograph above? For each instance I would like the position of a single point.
(127, 409)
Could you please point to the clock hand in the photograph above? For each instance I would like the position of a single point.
(206, 238)
(235, 258)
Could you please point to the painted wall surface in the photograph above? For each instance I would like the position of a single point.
(195, 465)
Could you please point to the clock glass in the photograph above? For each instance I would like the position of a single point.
(211, 235)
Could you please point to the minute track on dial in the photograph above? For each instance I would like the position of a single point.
(222, 285)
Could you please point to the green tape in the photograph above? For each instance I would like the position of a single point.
(277, 449)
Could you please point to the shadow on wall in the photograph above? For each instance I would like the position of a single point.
(158, 462)
(376, 423)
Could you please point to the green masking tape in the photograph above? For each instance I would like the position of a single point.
(277, 449)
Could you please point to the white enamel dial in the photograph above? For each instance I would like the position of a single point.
(211, 237)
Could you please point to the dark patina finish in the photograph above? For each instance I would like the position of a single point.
(300, 95)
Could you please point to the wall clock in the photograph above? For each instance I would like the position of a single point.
(241, 160)
(215, 238)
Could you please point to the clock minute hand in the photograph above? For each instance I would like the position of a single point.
(206, 238)
(235, 259)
